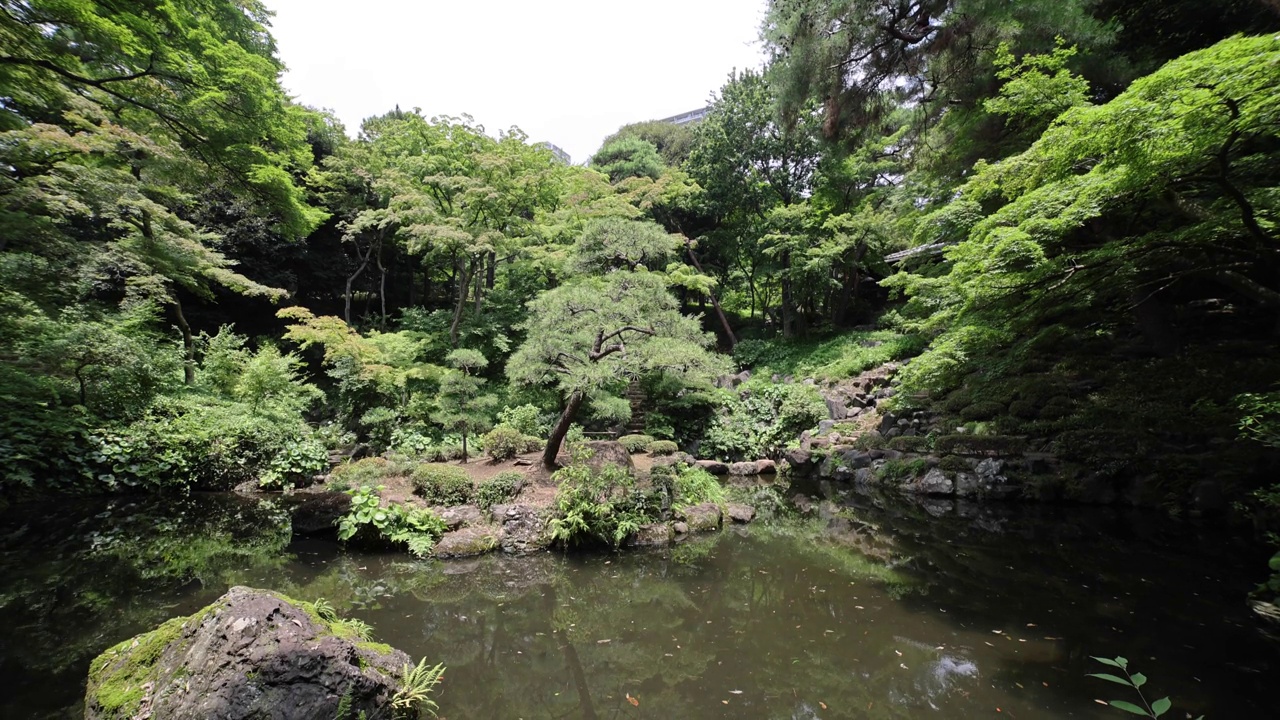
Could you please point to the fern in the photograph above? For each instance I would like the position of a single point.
(416, 685)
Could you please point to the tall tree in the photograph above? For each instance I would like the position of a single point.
(588, 339)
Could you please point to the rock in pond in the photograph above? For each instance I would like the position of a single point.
(251, 654)
(703, 517)
(740, 513)
(651, 535)
(466, 542)
(715, 467)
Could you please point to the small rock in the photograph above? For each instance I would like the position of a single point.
(766, 467)
(715, 467)
(681, 528)
(651, 535)
(461, 515)
(466, 542)
(740, 513)
(744, 468)
(702, 517)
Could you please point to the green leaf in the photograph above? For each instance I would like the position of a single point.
(1129, 708)
(1112, 678)
(1118, 662)
(1138, 679)
(1161, 706)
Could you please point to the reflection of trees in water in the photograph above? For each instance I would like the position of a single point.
(80, 577)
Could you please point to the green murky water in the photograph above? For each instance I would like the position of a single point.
(863, 610)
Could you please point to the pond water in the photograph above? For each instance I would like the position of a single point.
(864, 609)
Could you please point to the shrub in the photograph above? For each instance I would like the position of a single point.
(636, 443)
(417, 528)
(763, 420)
(662, 447)
(983, 410)
(911, 444)
(531, 443)
(442, 484)
(361, 472)
(499, 489)
(954, 463)
(693, 485)
(601, 505)
(902, 469)
(503, 443)
(525, 419)
(296, 463)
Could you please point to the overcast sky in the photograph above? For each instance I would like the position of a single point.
(566, 71)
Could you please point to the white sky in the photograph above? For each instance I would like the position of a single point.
(565, 71)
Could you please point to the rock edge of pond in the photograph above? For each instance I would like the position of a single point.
(251, 653)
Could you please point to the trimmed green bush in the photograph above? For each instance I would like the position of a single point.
(910, 444)
(503, 443)
(954, 463)
(361, 472)
(499, 489)
(442, 484)
(662, 447)
(984, 410)
(636, 443)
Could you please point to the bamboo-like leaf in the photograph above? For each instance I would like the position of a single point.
(1129, 708)
(1161, 706)
(1111, 678)
(1113, 663)
(1138, 679)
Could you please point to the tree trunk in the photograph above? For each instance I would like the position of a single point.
(463, 284)
(788, 299)
(491, 270)
(382, 287)
(561, 429)
(364, 262)
(464, 448)
(188, 343)
(724, 321)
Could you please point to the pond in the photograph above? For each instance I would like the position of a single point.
(861, 609)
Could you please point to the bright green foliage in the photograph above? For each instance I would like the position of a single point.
(294, 464)
(461, 406)
(600, 506)
(1260, 419)
(673, 142)
(659, 448)
(628, 157)
(417, 683)
(1153, 709)
(694, 486)
(501, 488)
(504, 443)
(763, 420)
(1038, 88)
(1166, 191)
(845, 355)
(416, 528)
(616, 244)
(636, 443)
(442, 484)
(362, 472)
(525, 419)
(588, 339)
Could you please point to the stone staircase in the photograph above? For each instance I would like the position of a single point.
(640, 407)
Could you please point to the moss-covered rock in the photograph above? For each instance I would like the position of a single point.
(252, 653)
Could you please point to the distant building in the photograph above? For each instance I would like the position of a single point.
(556, 150)
(687, 117)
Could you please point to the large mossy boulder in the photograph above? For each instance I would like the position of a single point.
(251, 654)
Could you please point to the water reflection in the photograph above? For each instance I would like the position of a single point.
(864, 609)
